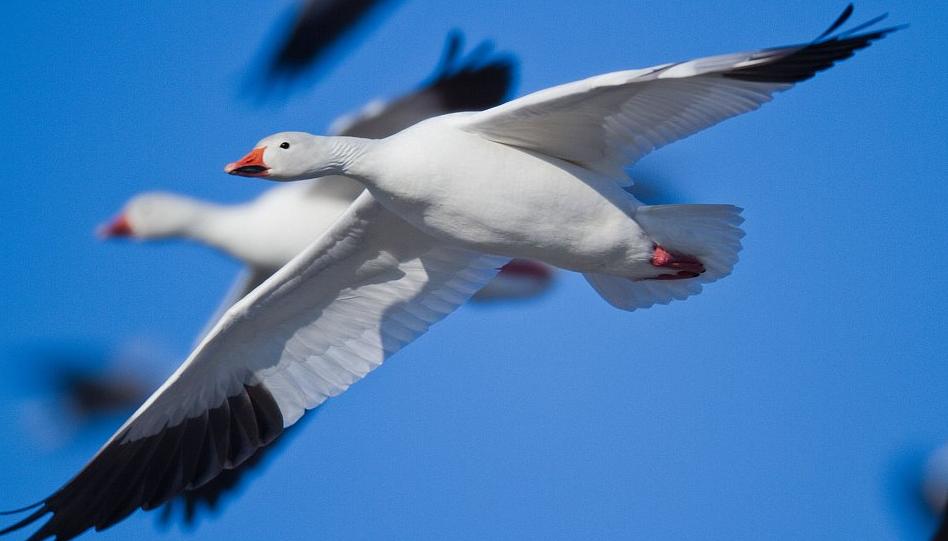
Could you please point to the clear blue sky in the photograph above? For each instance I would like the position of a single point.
(778, 404)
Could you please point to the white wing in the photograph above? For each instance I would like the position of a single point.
(369, 286)
(607, 122)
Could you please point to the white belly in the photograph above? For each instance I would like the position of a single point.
(499, 199)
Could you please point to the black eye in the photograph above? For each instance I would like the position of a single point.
(284, 144)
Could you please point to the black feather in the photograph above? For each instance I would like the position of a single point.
(801, 62)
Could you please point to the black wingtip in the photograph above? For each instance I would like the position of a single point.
(843, 17)
(22, 509)
(858, 28)
(453, 45)
(827, 35)
(26, 521)
(801, 62)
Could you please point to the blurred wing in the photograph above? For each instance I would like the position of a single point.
(246, 281)
(607, 122)
(335, 312)
(319, 26)
(476, 82)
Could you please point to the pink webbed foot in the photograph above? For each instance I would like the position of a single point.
(685, 266)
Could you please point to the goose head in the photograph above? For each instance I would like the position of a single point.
(152, 216)
(287, 156)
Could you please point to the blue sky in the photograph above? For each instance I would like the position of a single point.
(783, 402)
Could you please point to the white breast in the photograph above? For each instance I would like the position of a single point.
(499, 199)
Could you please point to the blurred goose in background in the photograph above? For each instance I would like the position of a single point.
(379, 278)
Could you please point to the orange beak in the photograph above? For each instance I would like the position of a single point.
(119, 227)
(251, 165)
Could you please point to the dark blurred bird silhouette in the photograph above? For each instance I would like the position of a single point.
(941, 534)
(91, 394)
(934, 490)
(78, 386)
(315, 38)
(917, 485)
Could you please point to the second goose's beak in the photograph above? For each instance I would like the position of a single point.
(251, 165)
(119, 227)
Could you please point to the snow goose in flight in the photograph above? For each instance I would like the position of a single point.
(267, 232)
(541, 177)
(399, 258)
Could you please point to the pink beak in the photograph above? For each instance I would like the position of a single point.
(119, 227)
(251, 165)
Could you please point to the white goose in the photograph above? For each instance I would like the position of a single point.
(538, 176)
(268, 231)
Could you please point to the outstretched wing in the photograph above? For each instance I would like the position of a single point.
(322, 322)
(607, 122)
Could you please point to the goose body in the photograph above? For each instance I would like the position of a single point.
(498, 199)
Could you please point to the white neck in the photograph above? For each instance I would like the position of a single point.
(344, 155)
(219, 227)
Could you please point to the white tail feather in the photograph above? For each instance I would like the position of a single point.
(709, 232)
